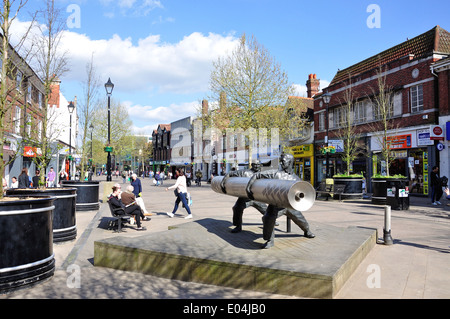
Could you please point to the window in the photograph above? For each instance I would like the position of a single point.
(40, 131)
(321, 121)
(416, 98)
(359, 112)
(28, 124)
(17, 120)
(339, 117)
(19, 77)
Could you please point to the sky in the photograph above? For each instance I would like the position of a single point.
(159, 53)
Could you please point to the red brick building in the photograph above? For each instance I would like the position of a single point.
(414, 110)
(441, 69)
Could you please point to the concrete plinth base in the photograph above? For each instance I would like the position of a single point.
(206, 251)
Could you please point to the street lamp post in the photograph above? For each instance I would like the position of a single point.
(91, 160)
(70, 107)
(326, 98)
(109, 86)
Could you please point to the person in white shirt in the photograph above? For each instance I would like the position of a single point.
(14, 182)
(181, 193)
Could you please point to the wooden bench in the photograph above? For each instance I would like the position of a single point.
(330, 189)
(119, 217)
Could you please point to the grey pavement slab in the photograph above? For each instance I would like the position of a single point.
(416, 266)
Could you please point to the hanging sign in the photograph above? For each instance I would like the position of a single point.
(436, 132)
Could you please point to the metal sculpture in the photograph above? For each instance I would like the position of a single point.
(285, 193)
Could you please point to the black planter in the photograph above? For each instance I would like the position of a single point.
(64, 220)
(396, 195)
(87, 194)
(379, 191)
(353, 186)
(26, 242)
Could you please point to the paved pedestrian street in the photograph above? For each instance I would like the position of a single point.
(415, 266)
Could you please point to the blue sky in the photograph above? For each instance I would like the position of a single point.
(159, 53)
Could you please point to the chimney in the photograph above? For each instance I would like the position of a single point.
(312, 85)
(205, 107)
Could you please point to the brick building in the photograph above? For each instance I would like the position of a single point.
(23, 115)
(414, 110)
(441, 69)
(161, 147)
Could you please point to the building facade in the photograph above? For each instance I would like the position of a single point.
(161, 148)
(413, 111)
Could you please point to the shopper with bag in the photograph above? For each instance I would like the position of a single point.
(181, 193)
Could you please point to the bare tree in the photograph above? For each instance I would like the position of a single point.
(247, 82)
(383, 104)
(348, 132)
(88, 104)
(51, 64)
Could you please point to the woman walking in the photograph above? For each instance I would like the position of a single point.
(181, 193)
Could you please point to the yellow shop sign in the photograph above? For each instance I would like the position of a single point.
(302, 150)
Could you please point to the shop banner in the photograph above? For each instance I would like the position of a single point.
(399, 141)
(29, 151)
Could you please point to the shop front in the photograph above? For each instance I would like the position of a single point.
(413, 155)
(304, 162)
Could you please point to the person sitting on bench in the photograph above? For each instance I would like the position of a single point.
(135, 210)
(128, 198)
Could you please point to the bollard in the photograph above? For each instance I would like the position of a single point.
(387, 226)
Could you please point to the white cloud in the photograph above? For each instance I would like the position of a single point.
(152, 116)
(182, 67)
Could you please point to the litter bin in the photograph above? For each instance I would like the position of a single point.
(397, 193)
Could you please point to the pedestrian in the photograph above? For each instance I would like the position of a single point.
(62, 176)
(116, 202)
(24, 180)
(51, 176)
(137, 191)
(36, 179)
(436, 186)
(157, 177)
(198, 176)
(14, 182)
(181, 193)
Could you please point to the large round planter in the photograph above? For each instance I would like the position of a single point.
(26, 242)
(379, 191)
(353, 186)
(64, 220)
(87, 194)
(397, 193)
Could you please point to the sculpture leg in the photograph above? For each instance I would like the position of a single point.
(269, 220)
(238, 211)
(260, 207)
(300, 220)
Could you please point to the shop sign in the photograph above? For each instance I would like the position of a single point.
(436, 132)
(423, 137)
(302, 150)
(399, 141)
(338, 145)
(29, 151)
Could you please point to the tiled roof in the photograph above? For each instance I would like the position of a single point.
(303, 103)
(436, 40)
